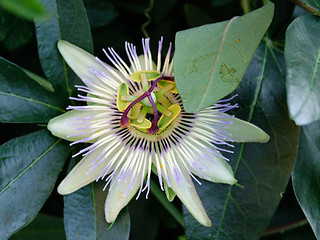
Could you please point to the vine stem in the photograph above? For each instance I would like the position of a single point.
(245, 4)
(306, 7)
(285, 227)
(146, 13)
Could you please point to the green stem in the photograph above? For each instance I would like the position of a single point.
(306, 7)
(284, 228)
(156, 191)
(245, 4)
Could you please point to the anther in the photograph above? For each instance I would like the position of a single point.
(125, 121)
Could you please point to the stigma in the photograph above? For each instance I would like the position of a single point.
(152, 108)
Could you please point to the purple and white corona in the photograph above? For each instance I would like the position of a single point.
(135, 124)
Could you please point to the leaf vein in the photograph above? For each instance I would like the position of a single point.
(33, 100)
(216, 60)
(30, 165)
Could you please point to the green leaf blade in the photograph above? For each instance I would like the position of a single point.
(43, 227)
(68, 22)
(22, 100)
(263, 169)
(302, 54)
(211, 60)
(84, 216)
(29, 167)
(28, 9)
(306, 174)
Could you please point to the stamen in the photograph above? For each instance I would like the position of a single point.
(125, 121)
(154, 128)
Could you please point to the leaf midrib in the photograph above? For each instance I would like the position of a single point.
(253, 104)
(29, 166)
(313, 78)
(32, 100)
(65, 70)
(216, 60)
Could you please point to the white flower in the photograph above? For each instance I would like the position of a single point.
(136, 124)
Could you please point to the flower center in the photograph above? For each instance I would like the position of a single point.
(151, 112)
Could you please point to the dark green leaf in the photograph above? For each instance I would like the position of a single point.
(22, 100)
(29, 167)
(196, 16)
(216, 3)
(28, 9)
(43, 227)
(302, 54)
(211, 60)
(263, 169)
(306, 174)
(40, 80)
(14, 32)
(100, 13)
(68, 22)
(84, 216)
(302, 231)
(283, 11)
(145, 217)
(159, 13)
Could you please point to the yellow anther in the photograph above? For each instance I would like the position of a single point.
(128, 98)
(135, 111)
(164, 121)
(165, 83)
(122, 91)
(163, 110)
(144, 82)
(164, 90)
(142, 114)
(164, 101)
(150, 75)
(145, 124)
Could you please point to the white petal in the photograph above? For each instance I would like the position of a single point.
(71, 125)
(189, 197)
(81, 175)
(242, 131)
(82, 62)
(120, 195)
(213, 167)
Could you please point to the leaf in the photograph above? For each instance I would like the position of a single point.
(211, 60)
(263, 169)
(68, 22)
(29, 167)
(100, 13)
(302, 54)
(283, 11)
(313, 6)
(84, 216)
(22, 100)
(14, 31)
(44, 227)
(306, 174)
(196, 16)
(40, 80)
(27, 9)
(161, 15)
(299, 232)
(145, 217)
(218, 3)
